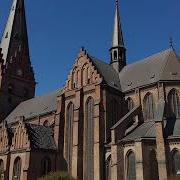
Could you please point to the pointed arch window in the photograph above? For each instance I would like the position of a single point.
(108, 168)
(17, 169)
(69, 134)
(174, 103)
(130, 106)
(153, 165)
(148, 106)
(176, 163)
(131, 166)
(45, 166)
(89, 140)
(1, 170)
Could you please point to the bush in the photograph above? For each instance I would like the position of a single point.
(57, 176)
(174, 178)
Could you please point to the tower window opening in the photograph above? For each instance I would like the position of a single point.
(6, 36)
(16, 36)
(115, 55)
(74, 85)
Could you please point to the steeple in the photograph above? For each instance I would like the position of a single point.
(15, 34)
(118, 50)
(17, 82)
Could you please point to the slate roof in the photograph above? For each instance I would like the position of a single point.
(110, 76)
(163, 66)
(36, 106)
(41, 137)
(147, 130)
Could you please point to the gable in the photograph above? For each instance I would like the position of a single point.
(4, 139)
(20, 139)
(83, 73)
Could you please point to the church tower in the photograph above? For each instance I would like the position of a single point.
(17, 82)
(118, 50)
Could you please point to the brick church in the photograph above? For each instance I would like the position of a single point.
(109, 122)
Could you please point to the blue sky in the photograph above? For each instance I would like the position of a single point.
(59, 28)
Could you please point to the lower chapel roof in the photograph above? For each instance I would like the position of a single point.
(41, 137)
(147, 130)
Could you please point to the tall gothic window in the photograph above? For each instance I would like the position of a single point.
(148, 106)
(174, 103)
(1, 170)
(17, 169)
(131, 166)
(130, 104)
(176, 163)
(108, 168)
(153, 165)
(69, 134)
(89, 140)
(45, 166)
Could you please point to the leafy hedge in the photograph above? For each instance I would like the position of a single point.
(57, 176)
(174, 178)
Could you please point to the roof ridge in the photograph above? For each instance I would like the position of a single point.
(103, 68)
(94, 58)
(148, 57)
(41, 96)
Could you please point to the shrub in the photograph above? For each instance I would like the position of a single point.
(57, 176)
(174, 178)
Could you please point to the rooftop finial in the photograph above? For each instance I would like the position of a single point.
(171, 42)
(117, 2)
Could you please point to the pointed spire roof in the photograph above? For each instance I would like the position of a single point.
(117, 33)
(15, 34)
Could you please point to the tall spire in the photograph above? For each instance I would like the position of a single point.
(15, 34)
(17, 82)
(118, 50)
(117, 33)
